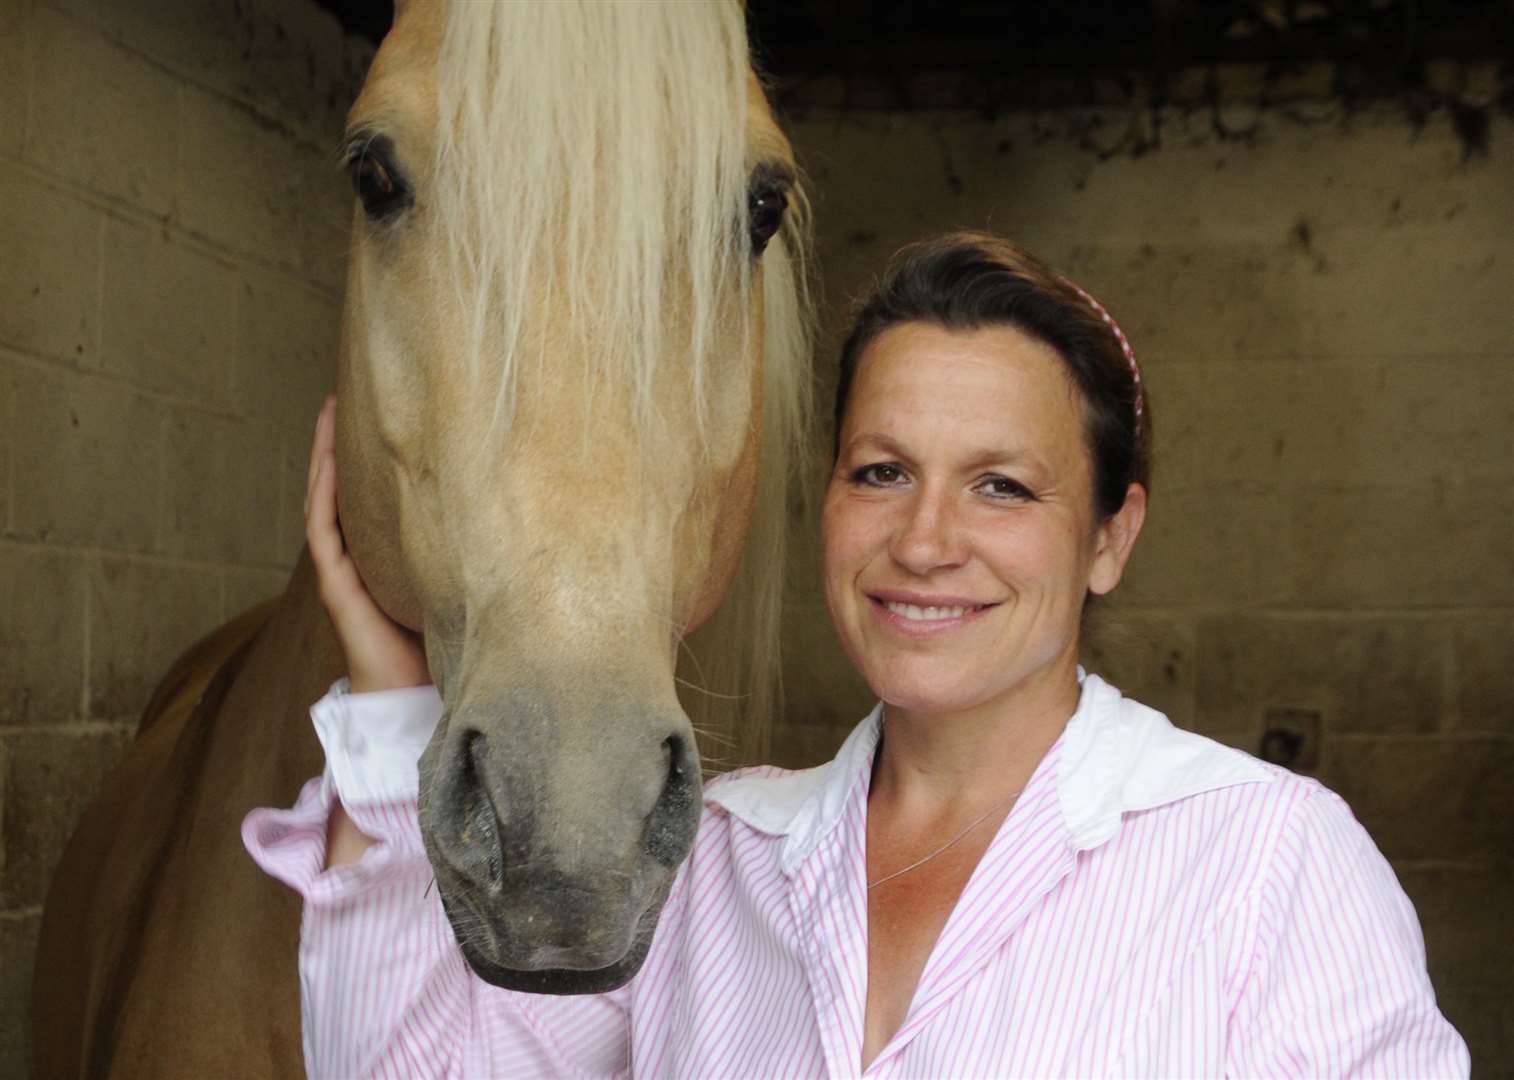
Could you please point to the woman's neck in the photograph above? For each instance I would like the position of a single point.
(972, 757)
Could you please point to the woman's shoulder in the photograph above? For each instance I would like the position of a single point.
(1266, 823)
(765, 797)
(1126, 762)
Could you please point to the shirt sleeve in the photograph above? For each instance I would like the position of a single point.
(384, 989)
(1337, 984)
(372, 743)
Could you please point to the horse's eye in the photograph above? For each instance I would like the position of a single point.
(765, 214)
(377, 180)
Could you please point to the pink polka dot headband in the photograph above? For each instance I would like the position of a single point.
(1119, 335)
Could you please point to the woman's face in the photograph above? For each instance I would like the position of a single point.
(958, 532)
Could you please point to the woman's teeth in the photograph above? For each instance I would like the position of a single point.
(928, 614)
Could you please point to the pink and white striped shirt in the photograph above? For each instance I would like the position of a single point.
(1154, 905)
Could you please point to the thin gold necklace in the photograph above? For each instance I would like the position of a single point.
(921, 862)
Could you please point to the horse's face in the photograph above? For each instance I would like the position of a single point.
(553, 510)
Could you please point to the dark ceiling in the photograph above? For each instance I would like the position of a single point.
(885, 46)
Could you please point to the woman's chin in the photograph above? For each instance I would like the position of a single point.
(945, 689)
(926, 696)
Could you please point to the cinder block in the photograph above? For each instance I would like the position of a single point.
(86, 469)
(258, 188)
(1483, 647)
(15, 30)
(1364, 674)
(49, 279)
(1312, 218)
(804, 745)
(1184, 298)
(41, 635)
(1451, 311)
(164, 31)
(1238, 191)
(1400, 547)
(18, 950)
(1149, 657)
(1427, 797)
(296, 66)
(221, 489)
(50, 779)
(245, 588)
(100, 115)
(141, 617)
(1338, 174)
(294, 461)
(284, 56)
(1203, 250)
(1212, 548)
(1284, 426)
(7, 452)
(821, 688)
(1465, 916)
(286, 350)
(169, 314)
(1455, 413)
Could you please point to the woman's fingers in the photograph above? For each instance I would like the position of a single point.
(321, 442)
(323, 532)
(380, 654)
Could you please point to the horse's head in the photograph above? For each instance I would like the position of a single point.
(569, 247)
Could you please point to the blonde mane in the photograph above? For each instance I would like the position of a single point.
(615, 194)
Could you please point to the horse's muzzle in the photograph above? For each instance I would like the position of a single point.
(553, 848)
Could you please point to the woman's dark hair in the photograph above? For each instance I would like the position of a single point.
(969, 280)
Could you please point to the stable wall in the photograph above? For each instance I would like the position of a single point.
(1322, 308)
(171, 258)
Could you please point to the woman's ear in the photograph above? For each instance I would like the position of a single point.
(1115, 540)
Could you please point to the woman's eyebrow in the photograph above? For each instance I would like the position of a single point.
(1008, 455)
(873, 440)
(979, 459)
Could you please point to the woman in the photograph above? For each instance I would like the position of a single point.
(1008, 869)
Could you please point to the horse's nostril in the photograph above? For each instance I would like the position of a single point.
(480, 829)
(670, 828)
(673, 755)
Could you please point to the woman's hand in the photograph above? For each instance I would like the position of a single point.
(381, 654)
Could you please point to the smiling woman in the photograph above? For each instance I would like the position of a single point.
(1009, 869)
(961, 532)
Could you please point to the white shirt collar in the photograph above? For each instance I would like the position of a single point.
(1117, 756)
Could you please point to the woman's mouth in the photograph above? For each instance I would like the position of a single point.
(932, 613)
(925, 615)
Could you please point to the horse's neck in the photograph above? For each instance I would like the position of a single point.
(290, 664)
(136, 936)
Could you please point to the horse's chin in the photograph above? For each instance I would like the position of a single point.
(567, 980)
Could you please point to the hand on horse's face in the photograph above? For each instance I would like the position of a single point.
(381, 654)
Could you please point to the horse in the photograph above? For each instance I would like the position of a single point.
(572, 378)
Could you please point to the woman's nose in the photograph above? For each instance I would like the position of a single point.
(928, 537)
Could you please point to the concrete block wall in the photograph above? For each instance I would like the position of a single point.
(171, 258)
(1322, 309)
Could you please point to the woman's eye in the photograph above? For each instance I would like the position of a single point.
(1002, 487)
(880, 475)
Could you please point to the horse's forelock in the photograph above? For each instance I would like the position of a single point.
(593, 151)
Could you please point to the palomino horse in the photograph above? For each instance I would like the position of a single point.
(573, 316)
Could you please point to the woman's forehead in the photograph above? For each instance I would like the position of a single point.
(987, 374)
